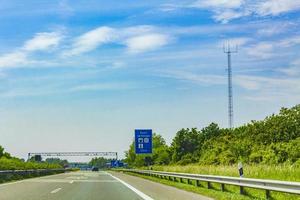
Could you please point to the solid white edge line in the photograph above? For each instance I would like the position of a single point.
(141, 194)
(55, 191)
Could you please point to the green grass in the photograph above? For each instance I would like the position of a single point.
(276, 172)
(279, 172)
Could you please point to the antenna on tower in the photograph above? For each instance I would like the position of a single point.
(229, 51)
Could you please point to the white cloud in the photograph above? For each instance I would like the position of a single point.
(272, 84)
(138, 39)
(270, 88)
(272, 28)
(226, 10)
(218, 3)
(43, 41)
(290, 41)
(91, 40)
(202, 79)
(40, 42)
(246, 82)
(104, 86)
(169, 7)
(275, 7)
(146, 42)
(262, 50)
(227, 15)
(13, 59)
(136, 30)
(293, 69)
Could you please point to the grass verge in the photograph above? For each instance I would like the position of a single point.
(283, 172)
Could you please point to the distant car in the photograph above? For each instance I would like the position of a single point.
(95, 169)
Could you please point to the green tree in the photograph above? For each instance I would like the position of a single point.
(185, 145)
(99, 162)
(274, 140)
(58, 161)
(160, 153)
(3, 153)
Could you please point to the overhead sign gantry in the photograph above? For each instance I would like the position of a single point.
(58, 154)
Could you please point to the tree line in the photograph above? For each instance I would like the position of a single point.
(8, 162)
(274, 140)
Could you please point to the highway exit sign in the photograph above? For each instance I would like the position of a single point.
(143, 141)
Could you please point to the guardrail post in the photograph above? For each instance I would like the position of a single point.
(242, 190)
(189, 181)
(197, 183)
(222, 187)
(181, 180)
(208, 185)
(268, 195)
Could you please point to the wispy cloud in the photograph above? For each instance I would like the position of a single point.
(146, 42)
(111, 86)
(291, 41)
(293, 69)
(13, 59)
(202, 79)
(275, 7)
(226, 10)
(218, 3)
(40, 42)
(255, 87)
(91, 40)
(271, 29)
(43, 41)
(137, 39)
(261, 50)
(270, 88)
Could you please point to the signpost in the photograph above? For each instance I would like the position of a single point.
(143, 141)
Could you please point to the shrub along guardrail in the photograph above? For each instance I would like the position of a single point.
(9, 175)
(267, 185)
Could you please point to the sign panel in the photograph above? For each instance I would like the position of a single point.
(143, 141)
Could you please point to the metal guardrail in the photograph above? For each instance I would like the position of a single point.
(9, 174)
(32, 171)
(267, 185)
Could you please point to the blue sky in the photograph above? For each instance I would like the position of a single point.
(82, 75)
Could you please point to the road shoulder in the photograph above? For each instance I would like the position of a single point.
(158, 191)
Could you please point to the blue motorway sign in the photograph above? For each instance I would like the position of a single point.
(143, 141)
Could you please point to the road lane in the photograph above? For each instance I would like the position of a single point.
(92, 186)
(74, 186)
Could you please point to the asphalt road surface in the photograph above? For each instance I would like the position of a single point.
(91, 186)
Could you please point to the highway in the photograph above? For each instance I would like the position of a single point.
(91, 186)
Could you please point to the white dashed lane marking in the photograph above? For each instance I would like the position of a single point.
(55, 191)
